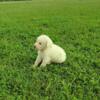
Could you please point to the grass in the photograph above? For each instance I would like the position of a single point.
(72, 24)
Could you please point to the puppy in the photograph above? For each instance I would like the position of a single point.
(48, 52)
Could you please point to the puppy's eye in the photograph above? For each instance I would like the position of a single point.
(40, 43)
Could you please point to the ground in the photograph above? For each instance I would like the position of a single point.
(72, 24)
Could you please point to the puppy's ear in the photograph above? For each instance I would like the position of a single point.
(49, 43)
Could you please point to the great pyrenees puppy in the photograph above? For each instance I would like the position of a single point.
(48, 52)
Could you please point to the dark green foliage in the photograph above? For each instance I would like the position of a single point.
(72, 24)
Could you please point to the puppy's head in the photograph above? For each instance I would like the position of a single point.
(43, 42)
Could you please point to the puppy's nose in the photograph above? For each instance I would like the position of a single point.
(35, 45)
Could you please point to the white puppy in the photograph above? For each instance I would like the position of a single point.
(48, 52)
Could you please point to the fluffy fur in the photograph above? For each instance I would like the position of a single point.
(48, 52)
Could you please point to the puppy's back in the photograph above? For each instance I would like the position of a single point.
(57, 54)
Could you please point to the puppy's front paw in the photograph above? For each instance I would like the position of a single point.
(34, 66)
(42, 65)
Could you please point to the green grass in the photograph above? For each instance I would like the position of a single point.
(72, 24)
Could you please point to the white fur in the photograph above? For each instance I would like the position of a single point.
(48, 52)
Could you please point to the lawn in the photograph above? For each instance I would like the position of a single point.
(72, 24)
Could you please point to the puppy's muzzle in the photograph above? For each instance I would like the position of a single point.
(35, 45)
